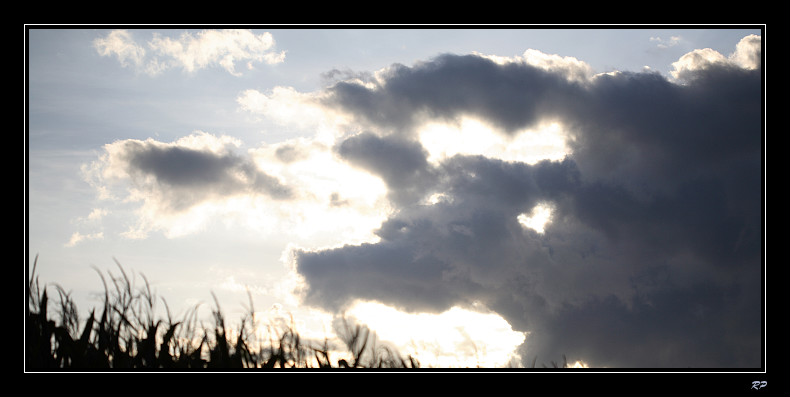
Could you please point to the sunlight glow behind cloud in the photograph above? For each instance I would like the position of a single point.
(473, 137)
(571, 68)
(455, 338)
(537, 218)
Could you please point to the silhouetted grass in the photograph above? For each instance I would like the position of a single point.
(127, 334)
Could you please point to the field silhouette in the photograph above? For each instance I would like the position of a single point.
(126, 334)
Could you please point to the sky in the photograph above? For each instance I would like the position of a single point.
(476, 196)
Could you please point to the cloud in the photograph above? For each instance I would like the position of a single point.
(438, 247)
(509, 95)
(402, 164)
(78, 237)
(663, 43)
(173, 180)
(571, 68)
(748, 52)
(97, 214)
(285, 106)
(187, 175)
(191, 52)
(121, 44)
(747, 55)
(652, 256)
(300, 188)
(652, 253)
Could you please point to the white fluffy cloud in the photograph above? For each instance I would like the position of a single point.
(747, 55)
(748, 52)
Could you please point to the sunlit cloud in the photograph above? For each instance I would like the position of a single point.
(121, 44)
(78, 237)
(666, 43)
(748, 52)
(180, 183)
(298, 185)
(747, 55)
(334, 197)
(569, 67)
(93, 219)
(288, 107)
(97, 214)
(191, 52)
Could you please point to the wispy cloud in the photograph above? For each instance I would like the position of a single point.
(121, 44)
(78, 237)
(191, 52)
(666, 43)
(97, 214)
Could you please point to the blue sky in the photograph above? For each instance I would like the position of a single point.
(276, 160)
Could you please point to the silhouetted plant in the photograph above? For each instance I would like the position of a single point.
(128, 335)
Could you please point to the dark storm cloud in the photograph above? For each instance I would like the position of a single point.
(398, 276)
(191, 176)
(511, 96)
(638, 127)
(402, 164)
(653, 255)
(431, 253)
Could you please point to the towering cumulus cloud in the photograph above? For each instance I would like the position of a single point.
(652, 256)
